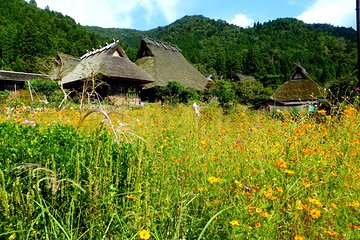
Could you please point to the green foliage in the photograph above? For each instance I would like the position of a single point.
(252, 91)
(55, 180)
(4, 95)
(174, 93)
(343, 90)
(224, 91)
(47, 88)
(28, 33)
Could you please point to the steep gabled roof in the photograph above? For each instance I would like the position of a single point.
(20, 76)
(164, 63)
(110, 61)
(299, 88)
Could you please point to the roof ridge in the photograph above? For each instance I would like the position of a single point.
(99, 50)
(166, 46)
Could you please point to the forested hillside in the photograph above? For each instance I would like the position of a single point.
(266, 51)
(30, 36)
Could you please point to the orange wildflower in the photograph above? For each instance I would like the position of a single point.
(315, 213)
(257, 224)
(298, 237)
(281, 163)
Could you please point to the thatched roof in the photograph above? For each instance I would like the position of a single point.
(110, 61)
(63, 65)
(299, 88)
(20, 76)
(165, 63)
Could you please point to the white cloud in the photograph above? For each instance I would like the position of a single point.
(113, 13)
(242, 20)
(168, 8)
(335, 12)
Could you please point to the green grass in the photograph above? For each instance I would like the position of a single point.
(241, 175)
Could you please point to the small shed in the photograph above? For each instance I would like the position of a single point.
(13, 81)
(164, 63)
(300, 92)
(122, 79)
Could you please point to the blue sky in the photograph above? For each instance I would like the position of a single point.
(148, 14)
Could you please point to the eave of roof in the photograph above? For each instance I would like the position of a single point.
(20, 76)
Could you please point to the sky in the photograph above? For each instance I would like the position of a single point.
(149, 14)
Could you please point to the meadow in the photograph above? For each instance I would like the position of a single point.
(161, 172)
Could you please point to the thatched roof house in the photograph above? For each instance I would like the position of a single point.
(299, 92)
(165, 63)
(13, 81)
(111, 65)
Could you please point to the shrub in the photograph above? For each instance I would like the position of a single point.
(174, 93)
(48, 88)
(224, 91)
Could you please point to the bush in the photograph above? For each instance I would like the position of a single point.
(48, 88)
(252, 91)
(174, 93)
(224, 91)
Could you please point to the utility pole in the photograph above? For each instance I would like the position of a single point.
(358, 38)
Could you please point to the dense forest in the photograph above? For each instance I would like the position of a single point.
(30, 37)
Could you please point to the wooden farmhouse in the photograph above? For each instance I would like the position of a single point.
(300, 92)
(13, 81)
(120, 79)
(164, 63)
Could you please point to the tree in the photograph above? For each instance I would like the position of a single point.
(33, 2)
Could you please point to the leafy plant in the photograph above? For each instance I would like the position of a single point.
(174, 93)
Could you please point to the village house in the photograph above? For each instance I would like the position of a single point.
(110, 70)
(164, 63)
(13, 81)
(300, 92)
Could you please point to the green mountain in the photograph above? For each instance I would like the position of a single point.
(30, 37)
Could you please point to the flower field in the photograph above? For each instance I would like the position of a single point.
(161, 172)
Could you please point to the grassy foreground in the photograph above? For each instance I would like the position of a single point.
(163, 173)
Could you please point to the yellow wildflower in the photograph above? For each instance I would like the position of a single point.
(306, 183)
(235, 223)
(144, 234)
(300, 206)
(265, 214)
(257, 224)
(213, 180)
(239, 184)
(268, 194)
(130, 196)
(291, 172)
(315, 201)
(298, 237)
(330, 232)
(355, 203)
